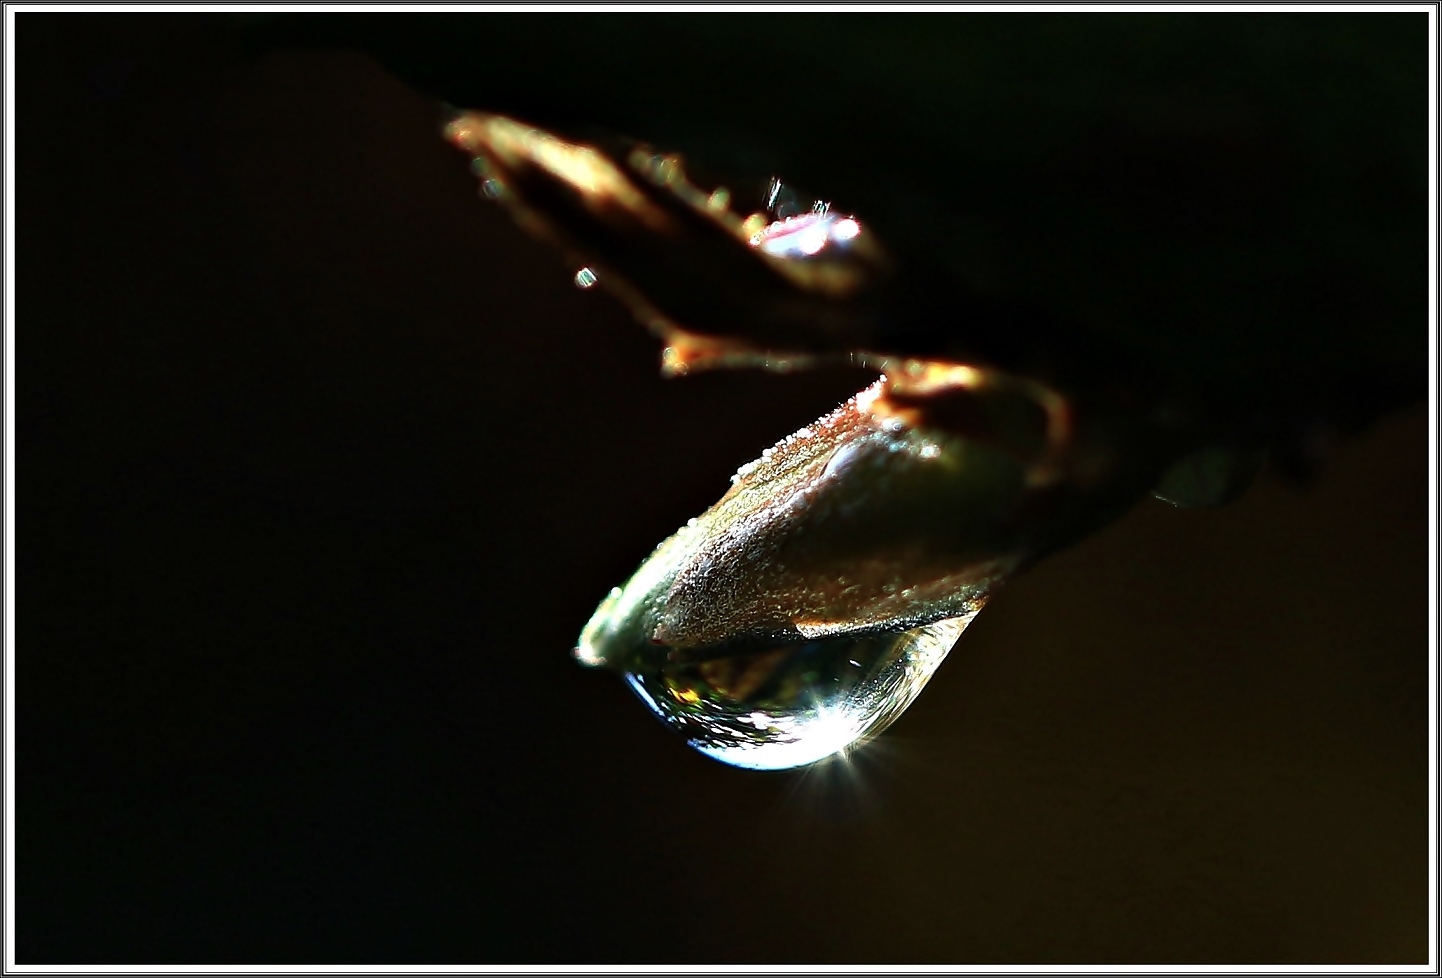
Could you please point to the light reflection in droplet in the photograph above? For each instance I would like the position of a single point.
(812, 241)
(805, 235)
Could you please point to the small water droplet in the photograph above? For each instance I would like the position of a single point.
(792, 705)
(585, 278)
(663, 169)
(492, 188)
(805, 235)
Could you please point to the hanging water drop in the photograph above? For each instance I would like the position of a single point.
(779, 628)
(791, 705)
(763, 705)
(585, 278)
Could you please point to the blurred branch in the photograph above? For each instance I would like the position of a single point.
(1229, 206)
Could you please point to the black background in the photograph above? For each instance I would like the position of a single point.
(321, 467)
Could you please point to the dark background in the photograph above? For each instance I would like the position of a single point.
(322, 466)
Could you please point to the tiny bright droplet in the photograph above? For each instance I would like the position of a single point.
(805, 235)
(585, 278)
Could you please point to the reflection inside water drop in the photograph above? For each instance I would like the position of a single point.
(795, 704)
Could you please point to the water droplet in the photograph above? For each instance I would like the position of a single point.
(767, 653)
(795, 704)
(759, 703)
(662, 169)
(492, 188)
(585, 278)
(805, 235)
